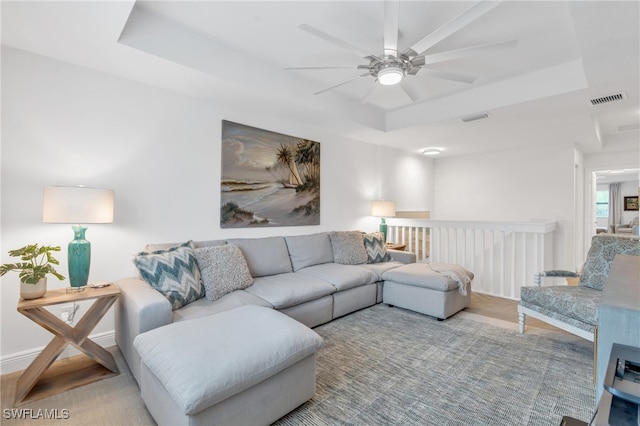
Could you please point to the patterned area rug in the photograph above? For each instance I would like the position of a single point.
(399, 367)
(389, 366)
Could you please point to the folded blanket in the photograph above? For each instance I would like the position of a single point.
(455, 272)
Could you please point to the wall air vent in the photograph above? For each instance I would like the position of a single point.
(609, 98)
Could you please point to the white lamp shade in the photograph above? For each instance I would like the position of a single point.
(77, 204)
(383, 208)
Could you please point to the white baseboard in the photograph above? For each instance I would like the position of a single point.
(21, 360)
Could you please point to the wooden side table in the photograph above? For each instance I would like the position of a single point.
(64, 375)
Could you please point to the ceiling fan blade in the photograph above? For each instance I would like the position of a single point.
(368, 93)
(341, 83)
(321, 34)
(390, 30)
(409, 89)
(328, 67)
(456, 24)
(467, 52)
(446, 75)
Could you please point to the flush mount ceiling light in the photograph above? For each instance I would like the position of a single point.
(390, 76)
(431, 151)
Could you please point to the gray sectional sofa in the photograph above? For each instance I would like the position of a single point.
(312, 279)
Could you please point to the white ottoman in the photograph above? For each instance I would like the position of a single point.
(428, 289)
(250, 365)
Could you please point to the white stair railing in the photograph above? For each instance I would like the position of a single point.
(502, 255)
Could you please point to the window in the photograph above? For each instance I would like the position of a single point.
(602, 203)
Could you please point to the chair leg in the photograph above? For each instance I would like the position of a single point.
(521, 319)
(595, 353)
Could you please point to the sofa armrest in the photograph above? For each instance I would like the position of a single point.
(402, 256)
(537, 278)
(139, 308)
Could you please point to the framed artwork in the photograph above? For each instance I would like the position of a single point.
(631, 203)
(268, 179)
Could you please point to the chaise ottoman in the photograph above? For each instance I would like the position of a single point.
(247, 366)
(439, 290)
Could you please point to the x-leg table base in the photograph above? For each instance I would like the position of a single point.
(66, 374)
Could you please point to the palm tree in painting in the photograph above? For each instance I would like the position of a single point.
(308, 156)
(285, 156)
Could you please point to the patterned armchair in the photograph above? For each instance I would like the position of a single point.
(575, 308)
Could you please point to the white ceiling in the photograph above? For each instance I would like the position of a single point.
(235, 51)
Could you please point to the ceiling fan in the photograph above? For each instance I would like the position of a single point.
(393, 66)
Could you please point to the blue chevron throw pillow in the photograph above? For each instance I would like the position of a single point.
(174, 273)
(376, 250)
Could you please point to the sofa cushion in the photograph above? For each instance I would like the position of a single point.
(207, 360)
(174, 273)
(382, 267)
(603, 250)
(265, 256)
(223, 270)
(578, 302)
(348, 247)
(309, 250)
(342, 277)
(203, 307)
(376, 250)
(284, 290)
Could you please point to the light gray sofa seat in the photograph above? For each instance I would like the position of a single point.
(285, 290)
(309, 298)
(382, 267)
(194, 372)
(203, 307)
(342, 277)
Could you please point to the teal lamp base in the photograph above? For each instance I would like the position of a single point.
(383, 228)
(79, 253)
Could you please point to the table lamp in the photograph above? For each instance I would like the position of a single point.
(383, 209)
(78, 205)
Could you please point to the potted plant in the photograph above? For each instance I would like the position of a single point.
(36, 262)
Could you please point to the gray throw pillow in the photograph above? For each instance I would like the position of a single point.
(173, 272)
(376, 250)
(348, 247)
(223, 269)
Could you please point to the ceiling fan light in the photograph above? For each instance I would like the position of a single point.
(390, 76)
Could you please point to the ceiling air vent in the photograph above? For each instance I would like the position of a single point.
(606, 99)
(474, 117)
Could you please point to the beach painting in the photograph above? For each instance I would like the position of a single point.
(268, 179)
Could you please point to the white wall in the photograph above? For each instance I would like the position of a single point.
(160, 152)
(514, 185)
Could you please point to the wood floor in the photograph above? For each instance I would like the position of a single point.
(502, 309)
